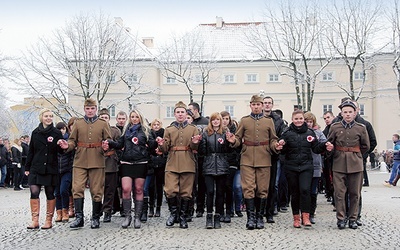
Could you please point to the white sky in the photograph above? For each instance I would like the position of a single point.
(22, 22)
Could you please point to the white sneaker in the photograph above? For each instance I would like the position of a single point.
(20, 186)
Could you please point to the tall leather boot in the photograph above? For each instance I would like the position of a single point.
(183, 213)
(50, 206)
(143, 215)
(127, 207)
(79, 220)
(394, 183)
(71, 210)
(96, 213)
(173, 209)
(35, 208)
(58, 215)
(313, 208)
(251, 215)
(260, 207)
(305, 219)
(151, 206)
(138, 211)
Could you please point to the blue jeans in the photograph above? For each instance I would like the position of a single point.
(237, 191)
(147, 184)
(3, 175)
(314, 185)
(63, 191)
(393, 173)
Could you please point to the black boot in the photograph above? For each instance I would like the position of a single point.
(173, 209)
(158, 212)
(96, 207)
(183, 213)
(151, 211)
(251, 215)
(209, 223)
(143, 216)
(217, 222)
(261, 204)
(138, 211)
(313, 208)
(127, 209)
(79, 221)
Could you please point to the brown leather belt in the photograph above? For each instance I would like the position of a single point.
(355, 149)
(89, 145)
(109, 153)
(255, 143)
(180, 148)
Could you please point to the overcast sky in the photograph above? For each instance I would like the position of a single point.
(22, 22)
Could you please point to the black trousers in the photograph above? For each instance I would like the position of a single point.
(218, 182)
(299, 184)
(269, 210)
(110, 187)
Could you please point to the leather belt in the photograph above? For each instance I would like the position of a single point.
(109, 153)
(255, 143)
(89, 145)
(355, 149)
(180, 148)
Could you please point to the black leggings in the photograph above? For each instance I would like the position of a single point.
(220, 182)
(35, 191)
(299, 189)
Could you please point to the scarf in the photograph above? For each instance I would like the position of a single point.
(132, 131)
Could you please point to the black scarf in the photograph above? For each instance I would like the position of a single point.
(43, 130)
(133, 131)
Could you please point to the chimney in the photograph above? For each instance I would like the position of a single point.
(219, 23)
(148, 42)
(119, 21)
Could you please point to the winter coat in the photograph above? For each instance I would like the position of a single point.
(317, 158)
(214, 148)
(16, 155)
(66, 160)
(157, 160)
(234, 155)
(396, 155)
(42, 155)
(299, 142)
(135, 145)
(4, 155)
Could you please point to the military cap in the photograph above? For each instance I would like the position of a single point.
(104, 111)
(180, 104)
(348, 103)
(256, 98)
(90, 102)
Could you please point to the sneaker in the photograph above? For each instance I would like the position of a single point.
(387, 184)
(20, 186)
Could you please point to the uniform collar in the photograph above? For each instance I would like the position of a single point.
(257, 116)
(348, 125)
(178, 125)
(90, 120)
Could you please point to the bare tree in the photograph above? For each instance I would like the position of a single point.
(292, 38)
(352, 26)
(86, 53)
(394, 19)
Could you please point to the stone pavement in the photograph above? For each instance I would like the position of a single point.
(380, 231)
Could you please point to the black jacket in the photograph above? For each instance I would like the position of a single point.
(4, 155)
(16, 155)
(136, 146)
(42, 155)
(215, 149)
(158, 161)
(299, 141)
(25, 150)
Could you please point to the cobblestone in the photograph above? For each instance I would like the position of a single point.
(380, 229)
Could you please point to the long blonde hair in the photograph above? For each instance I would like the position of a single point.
(142, 121)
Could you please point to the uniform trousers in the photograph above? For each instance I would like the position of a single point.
(96, 178)
(179, 184)
(255, 181)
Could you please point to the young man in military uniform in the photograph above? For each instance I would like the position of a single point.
(87, 137)
(180, 139)
(350, 140)
(257, 134)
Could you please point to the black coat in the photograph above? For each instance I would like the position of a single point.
(136, 146)
(25, 149)
(158, 161)
(299, 141)
(215, 149)
(42, 155)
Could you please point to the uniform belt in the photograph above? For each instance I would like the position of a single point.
(180, 148)
(109, 153)
(255, 143)
(89, 145)
(355, 149)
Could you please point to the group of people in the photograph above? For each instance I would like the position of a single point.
(214, 163)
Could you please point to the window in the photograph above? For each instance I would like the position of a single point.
(197, 79)
(251, 78)
(170, 112)
(326, 107)
(170, 80)
(229, 78)
(230, 109)
(111, 110)
(327, 76)
(362, 109)
(358, 76)
(273, 78)
(132, 78)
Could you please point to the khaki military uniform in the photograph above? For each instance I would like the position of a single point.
(181, 164)
(89, 162)
(351, 141)
(258, 138)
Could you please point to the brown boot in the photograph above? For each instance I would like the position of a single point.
(394, 183)
(35, 207)
(65, 216)
(71, 210)
(296, 220)
(59, 215)
(51, 204)
(306, 219)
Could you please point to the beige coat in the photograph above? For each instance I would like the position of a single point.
(348, 162)
(87, 132)
(180, 161)
(256, 130)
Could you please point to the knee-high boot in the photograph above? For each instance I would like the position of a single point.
(127, 208)
(251, 215)
(183, 213)
(138, 211)
(35, 207)
(79, 220)
(260, 208)
(50, 206)
(143, 216)
(173, 209)
(96, 212)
